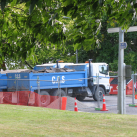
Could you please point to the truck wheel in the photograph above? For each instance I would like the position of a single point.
(44, 98)
(99, 96)
(57, 93)
(80, 98)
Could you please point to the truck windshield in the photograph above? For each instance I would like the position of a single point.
(103, 69)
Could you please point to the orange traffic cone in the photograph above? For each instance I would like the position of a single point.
(104, 104)
(76, 108)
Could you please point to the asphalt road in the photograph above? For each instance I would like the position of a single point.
(111, 105)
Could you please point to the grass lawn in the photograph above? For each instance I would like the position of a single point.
(24, 121)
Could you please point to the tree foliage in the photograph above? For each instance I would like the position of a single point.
(20, 32)
(26, 23)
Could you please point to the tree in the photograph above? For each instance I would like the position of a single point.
(88, 15)
(20, 32)
(39, 22)
(117, 13)
(46, 54)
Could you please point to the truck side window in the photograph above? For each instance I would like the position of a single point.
(103, 69)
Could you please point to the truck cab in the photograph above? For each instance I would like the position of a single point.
(98, 81)
(101, 70)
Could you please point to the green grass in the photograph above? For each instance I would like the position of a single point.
(23, 121)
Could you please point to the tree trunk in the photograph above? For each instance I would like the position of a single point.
(3, 66)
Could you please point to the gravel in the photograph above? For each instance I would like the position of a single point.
(71, 104)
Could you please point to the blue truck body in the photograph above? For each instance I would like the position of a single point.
(3, 82)
(25, 81)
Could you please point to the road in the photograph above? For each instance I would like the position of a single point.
(111, 105)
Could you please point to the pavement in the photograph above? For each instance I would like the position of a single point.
(89, 105)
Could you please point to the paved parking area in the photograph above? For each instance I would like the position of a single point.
(89, 105)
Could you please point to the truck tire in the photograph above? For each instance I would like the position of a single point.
(57, 93)
(80, 98)
(44, 99)
(101, 92)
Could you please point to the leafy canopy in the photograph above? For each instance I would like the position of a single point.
(26, 23)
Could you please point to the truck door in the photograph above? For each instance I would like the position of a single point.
(104, 75)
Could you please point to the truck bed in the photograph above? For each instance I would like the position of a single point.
(28, 81)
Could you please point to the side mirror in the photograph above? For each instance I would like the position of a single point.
(107, 69)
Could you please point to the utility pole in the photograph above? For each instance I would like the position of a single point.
(121, 105)
(121, 96)
(76, 56)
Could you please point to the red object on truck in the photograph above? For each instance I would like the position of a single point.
(114, 87)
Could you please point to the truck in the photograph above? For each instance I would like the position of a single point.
(77, 80)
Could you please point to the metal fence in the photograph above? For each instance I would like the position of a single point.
(48, 93)
(134, 87)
